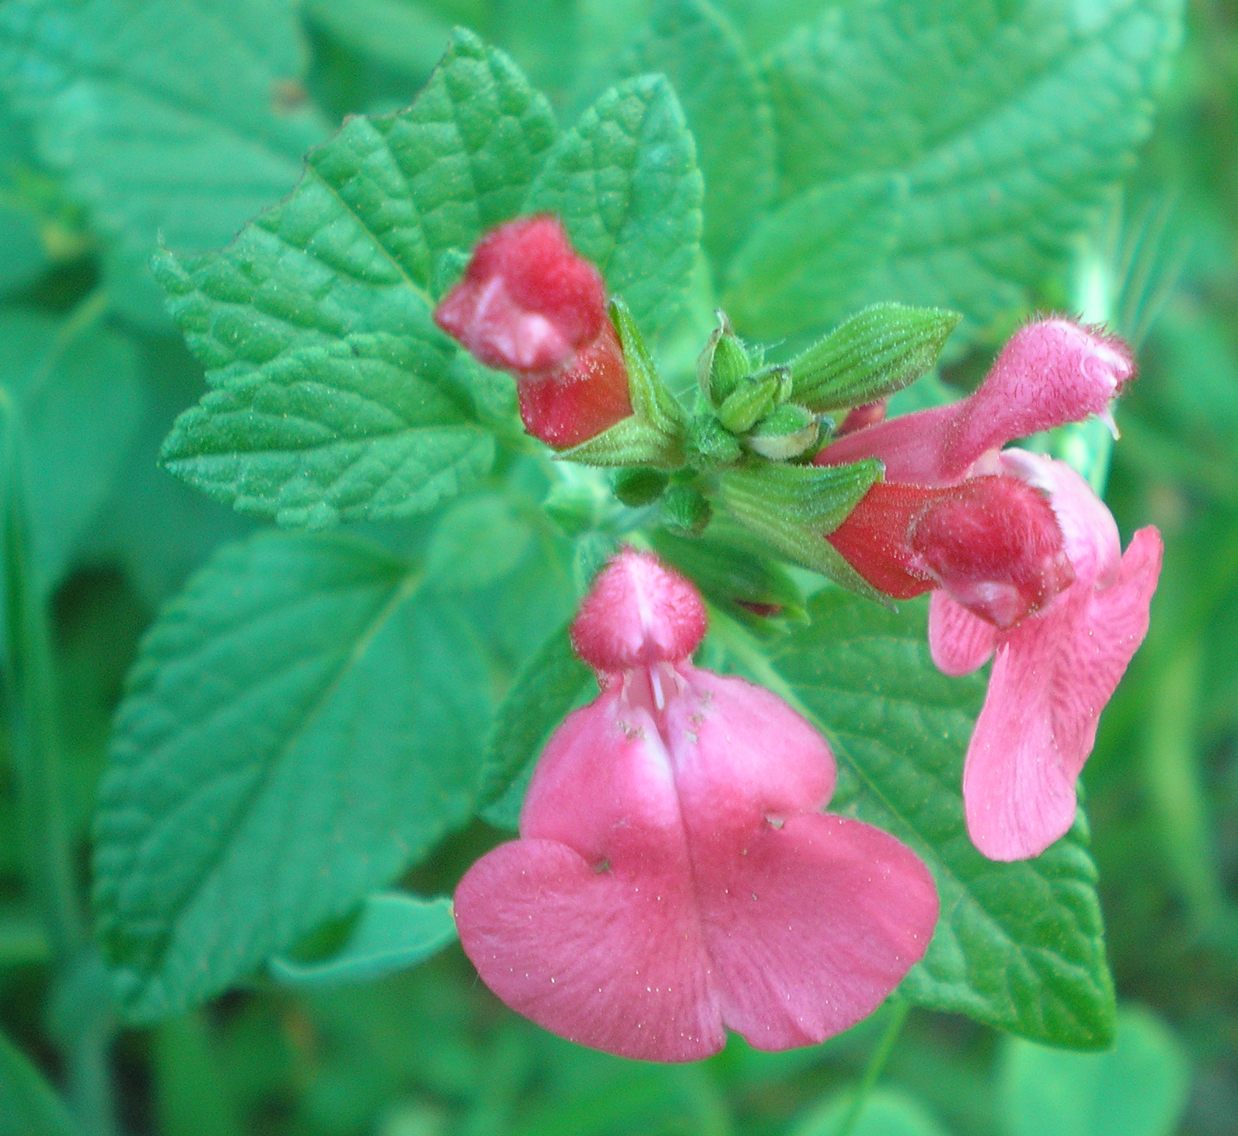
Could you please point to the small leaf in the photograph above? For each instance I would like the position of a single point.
(392, 932)
(298, 729)
(337, 398)
(794, 508)
(1138, 1088)
(625, 182)
(552, 682)
(28, 1105)
(1018, 946)
(871, 355)
(727, 109)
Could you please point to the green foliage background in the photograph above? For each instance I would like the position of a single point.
(94, 98)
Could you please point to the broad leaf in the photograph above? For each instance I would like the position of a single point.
(1018, 946)
(727, 108)
(28, 1106)
(298, 729)
(392, 932)
(172, 118)
(625, 182)
(995, 132)
(337, 397)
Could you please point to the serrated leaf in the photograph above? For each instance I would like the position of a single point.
(337, 397)
(28, 1105)
(552, 682)
(869, 356)
(1000, 127)
(1018, 946)
(297, 730)
(727, 109)
(75, 385)
(172, 117)
(392, 932)
(367, 429)
(625, 182)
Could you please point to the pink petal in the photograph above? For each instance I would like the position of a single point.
(1048, 373)
(638, 612)
(611, 959)
(1052, 677)
(960, 642)
(741, 754)
(810, 926)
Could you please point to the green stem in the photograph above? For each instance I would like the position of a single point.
(899, 1010)
(31, 703)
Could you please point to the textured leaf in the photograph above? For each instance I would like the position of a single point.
(297, 730)
(392, 933)
(1138, 1088)
(727, 108)
(28, 1106)
(625, 182)
(337, 397)
(178, 118)
(996, 130)
(75, 384)
(1019, 946)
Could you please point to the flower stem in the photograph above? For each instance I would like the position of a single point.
(31, 705)
(899, 1009)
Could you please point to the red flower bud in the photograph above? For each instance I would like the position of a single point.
(529, 305)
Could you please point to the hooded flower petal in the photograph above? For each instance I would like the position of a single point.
(529, 305)
(1050, 372)
(674, 876)
(1052, 677)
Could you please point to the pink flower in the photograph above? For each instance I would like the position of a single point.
(1024, 563)
(529, 305)
(674, 874)
(1053, 673)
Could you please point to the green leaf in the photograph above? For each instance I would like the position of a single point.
(297, 730)
(75, 386)
(365, 429)
(479, 541)
(25, 252)
(794, 270)
(625, 182)
(871, 355)
(337, 398)
(28, 1106)
(987, 137)
(392, 932)
(552, 682)
(169, 118)
(404, 35)
(1018, 946)
(1138, 1088)
(727, 108)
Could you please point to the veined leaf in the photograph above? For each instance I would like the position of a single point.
(625, 182)
(337, 397)
(996, 128)
(297, 730)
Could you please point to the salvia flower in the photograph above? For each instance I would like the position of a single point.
(674, 875)
(1024, 563)
(530, 305)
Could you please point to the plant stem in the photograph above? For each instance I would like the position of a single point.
(899, 1009)
(31, 704)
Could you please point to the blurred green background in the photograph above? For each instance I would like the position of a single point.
(432, 1053)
